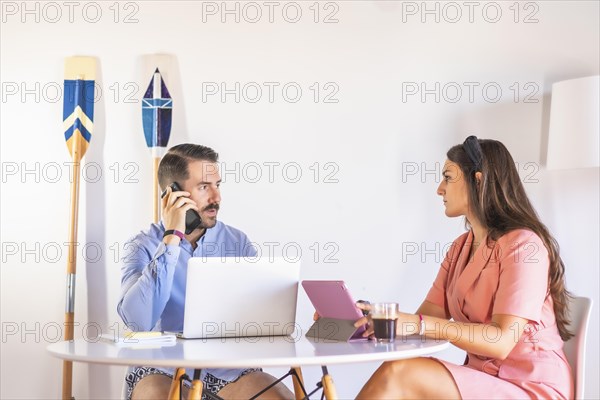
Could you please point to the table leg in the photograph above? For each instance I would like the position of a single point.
(328, 385)
(298, 383)
(196, 390)
(174, 391)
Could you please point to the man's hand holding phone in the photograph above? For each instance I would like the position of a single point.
(175, 205)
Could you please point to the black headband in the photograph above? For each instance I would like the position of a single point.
(473, 150)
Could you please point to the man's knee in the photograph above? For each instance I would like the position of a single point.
(251, 384)
(153, 387)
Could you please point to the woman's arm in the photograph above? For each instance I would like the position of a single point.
(495, 340)
(428, 308)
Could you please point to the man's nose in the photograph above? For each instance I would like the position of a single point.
(214, 195)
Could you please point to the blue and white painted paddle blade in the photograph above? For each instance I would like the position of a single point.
(78, 104)
(157, 108)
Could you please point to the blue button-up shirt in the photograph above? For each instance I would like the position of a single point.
(153, 280)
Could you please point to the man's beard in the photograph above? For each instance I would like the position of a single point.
(210, 223)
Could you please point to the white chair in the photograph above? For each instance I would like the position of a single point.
(579, 312)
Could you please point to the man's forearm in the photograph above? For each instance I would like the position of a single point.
(147, 293)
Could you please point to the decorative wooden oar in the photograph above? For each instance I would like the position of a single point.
(78, 116)
(157, 107)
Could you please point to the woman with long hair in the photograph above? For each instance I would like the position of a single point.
(499, 294)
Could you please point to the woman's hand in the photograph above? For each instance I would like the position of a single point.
(366, 320)
(407, 324)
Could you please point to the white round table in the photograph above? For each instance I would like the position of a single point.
(245, 352)
(287, 351)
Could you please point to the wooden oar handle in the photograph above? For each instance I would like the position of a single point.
(155, 191)
(69, 325)
(67, 388)
(72, 249)
(67, 383)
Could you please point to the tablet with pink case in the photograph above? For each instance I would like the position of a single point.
(333, 300)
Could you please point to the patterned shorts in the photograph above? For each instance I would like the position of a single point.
(210, 382)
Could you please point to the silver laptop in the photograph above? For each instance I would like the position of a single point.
(240, 297)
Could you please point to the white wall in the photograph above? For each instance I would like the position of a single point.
(380, 218)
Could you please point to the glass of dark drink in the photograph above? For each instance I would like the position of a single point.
(385, 317)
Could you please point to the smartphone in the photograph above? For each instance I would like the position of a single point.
(192, 218)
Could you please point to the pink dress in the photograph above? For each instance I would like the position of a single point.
(510, 277)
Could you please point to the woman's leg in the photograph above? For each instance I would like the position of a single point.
(415, 378)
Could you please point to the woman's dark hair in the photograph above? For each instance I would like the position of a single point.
(500, 204)
(174, 165)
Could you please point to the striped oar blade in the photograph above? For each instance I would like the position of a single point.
(157, 107)
(78, 104)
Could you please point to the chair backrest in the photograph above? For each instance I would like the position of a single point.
(579, 313)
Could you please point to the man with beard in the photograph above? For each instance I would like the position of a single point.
(154, 270)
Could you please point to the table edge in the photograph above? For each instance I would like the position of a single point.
(273, 363)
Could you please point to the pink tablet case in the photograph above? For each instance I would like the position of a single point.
(332, 299)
